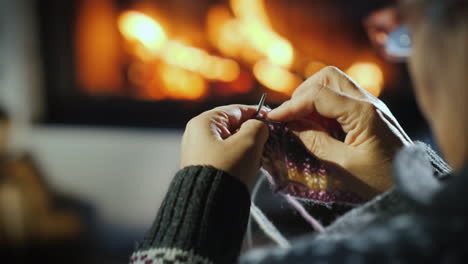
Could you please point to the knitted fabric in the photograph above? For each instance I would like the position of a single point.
(293, 170)
(395, 227)
(201, 220)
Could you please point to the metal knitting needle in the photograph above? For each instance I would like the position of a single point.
(259, 108)
(260, 104)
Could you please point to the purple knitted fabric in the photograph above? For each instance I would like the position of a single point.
(294, 171)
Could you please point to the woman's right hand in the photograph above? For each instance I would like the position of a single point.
(373, 136)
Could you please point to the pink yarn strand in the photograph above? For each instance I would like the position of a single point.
(310, 219)
(298, 206)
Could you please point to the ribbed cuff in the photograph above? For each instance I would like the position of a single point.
(205, 211)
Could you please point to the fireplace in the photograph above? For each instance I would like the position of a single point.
(158, 63)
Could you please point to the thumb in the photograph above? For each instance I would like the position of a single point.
(324, 147)
(252, 132)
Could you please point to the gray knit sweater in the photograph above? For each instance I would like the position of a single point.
(423, 219)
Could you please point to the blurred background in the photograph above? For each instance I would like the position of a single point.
(95, 94)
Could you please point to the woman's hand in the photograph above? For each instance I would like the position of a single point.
(226, 138)
(372, 133)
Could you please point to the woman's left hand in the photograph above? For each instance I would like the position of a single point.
(226, 138)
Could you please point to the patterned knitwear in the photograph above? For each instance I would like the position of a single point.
(295, 171)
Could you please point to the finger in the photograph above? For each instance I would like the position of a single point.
(325, 101)
(335, 79)
(251, 133)
(232, 116)
(325, 147)
(223, 121)
(292, 109)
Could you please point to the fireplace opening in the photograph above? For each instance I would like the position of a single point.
(158, 63)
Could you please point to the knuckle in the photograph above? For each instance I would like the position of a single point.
(367, 107)
(222, 108)
(316, 93)
(367, 110)
(331, 70)
(224, 115)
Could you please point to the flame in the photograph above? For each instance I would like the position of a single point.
(251, 10)
(256, 28)
(248, 35)
(199, 61)
(182, 84)
(223, 30)
(368, 75)
(275, 77)
(138, 27)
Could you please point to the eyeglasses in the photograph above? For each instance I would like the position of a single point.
(399, 43)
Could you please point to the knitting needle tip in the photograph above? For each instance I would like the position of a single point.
(260, 104)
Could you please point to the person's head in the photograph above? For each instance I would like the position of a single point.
(439, 68)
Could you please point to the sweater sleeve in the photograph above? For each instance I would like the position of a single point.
(201, 220)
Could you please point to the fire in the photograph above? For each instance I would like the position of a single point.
(199, 61)
(163, 67)
(257, 30)
(138, 27)
(183, 70)
(182, 84)
(280, 52)
(275, 77)
(368, 75)
(223, 31)
(248, 35)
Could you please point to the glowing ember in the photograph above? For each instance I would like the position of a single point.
(275, 77)
(368, 75)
